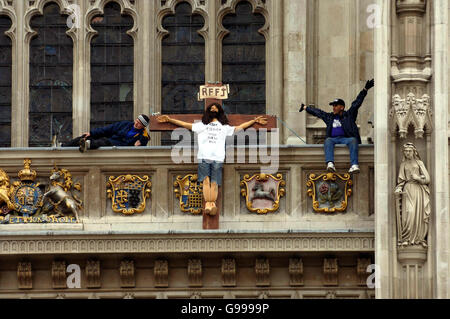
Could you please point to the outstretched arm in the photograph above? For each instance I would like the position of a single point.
(313, 111)
(360, 98)
(260, 120)
(167, 119)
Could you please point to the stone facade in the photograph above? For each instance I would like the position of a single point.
(294, 252)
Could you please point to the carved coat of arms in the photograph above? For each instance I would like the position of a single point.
(190, 193)
(329, 192)
(27, 195)
(128, 193)
(262, 192)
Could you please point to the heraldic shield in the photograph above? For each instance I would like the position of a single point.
(190, 193)
(128, 193)
(262, 192)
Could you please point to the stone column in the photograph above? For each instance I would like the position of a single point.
(295, 89)
(81, 73)
(383, 218)
(20, 82)
(439, 149)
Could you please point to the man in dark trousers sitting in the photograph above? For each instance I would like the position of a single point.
(124, 133)
(341, 128)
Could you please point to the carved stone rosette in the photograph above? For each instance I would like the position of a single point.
(228, 272)
(262, 192)
(161, 273)
(296, 272)
(25, 275)
(330, 271)
(93, 274)
(262, 271)
(195, 273)
(59, 278)
(127, 274)
(328, 189)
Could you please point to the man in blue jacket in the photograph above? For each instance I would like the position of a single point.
(124, 133)
(341, 128)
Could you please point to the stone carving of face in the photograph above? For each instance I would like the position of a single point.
(409, 153)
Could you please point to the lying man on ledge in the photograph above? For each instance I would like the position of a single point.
(341, 128)
(124, 133)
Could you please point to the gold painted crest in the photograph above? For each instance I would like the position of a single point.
(128, 193)
(326, 190)
(262, 192)
(190, 193)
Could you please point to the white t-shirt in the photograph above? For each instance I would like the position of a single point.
(211, 140)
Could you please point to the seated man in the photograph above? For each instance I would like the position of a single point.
(124, 133)
(341, 128)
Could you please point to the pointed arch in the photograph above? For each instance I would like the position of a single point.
(243, 61)
(113, 52)
(51, 50)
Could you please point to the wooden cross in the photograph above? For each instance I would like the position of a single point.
(212, 93)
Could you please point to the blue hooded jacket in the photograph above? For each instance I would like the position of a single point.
(348, 118)
(117, 134)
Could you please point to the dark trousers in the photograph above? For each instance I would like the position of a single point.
(95, 143)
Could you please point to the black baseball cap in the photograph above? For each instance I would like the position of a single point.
(338, 102)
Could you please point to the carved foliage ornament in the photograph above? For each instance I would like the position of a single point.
(410, 111)
(190, 194)
(262, 192)
(128, 193)
(329, 189)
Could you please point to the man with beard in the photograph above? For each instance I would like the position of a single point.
(212, 133)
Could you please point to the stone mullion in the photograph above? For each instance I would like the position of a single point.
(81, 75)
(211, 47)
(20, 82)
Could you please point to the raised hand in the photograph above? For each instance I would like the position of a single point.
(163, 119)
(369, 84)
(261, 120)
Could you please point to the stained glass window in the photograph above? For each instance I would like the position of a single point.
(112, 67)
(51, 74)
(244, 61)
(5, 83)
(183, 63)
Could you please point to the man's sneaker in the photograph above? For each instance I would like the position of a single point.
(84, 145)
(330, 167)
(354, 169)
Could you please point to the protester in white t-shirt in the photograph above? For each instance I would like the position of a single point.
(212, 133)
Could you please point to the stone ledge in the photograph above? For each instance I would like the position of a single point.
(196, 242)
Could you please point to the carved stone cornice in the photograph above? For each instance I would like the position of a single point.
(93, 274)
(182, 243)
(296, 271)
(161, 273)
(59, 280)
(229, 272)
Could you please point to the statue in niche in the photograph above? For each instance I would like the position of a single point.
(412, 199)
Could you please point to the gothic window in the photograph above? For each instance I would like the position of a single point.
(112, 67)
(244, 61)
(183, 63)
(5, 83)
(51, 74)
